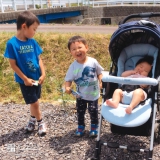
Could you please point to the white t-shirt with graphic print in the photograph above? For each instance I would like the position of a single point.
(85, 77)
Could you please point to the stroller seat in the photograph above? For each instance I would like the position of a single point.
(127, 61)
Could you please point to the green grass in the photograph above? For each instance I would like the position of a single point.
(56, 59)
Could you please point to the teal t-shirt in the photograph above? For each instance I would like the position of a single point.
(85, 77)
(26, 54)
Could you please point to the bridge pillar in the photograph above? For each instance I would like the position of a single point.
(2, 9)
(25, 3)
(14, 5)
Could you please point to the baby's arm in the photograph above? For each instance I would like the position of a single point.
(27, 81)
(128, 73)
(68, 87)
(100, 80)
(144, 86)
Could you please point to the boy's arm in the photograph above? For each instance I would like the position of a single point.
(68, 87)
(100, 80)
(43, 74)
(27, 81)
(128, 73)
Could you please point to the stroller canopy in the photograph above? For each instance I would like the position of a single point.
(134, 32)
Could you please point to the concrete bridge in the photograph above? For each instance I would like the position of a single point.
(83, 14)
(46, 15)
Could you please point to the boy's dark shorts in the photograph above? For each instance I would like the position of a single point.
(31, 94)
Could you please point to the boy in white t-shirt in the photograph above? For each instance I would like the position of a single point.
(86, 72)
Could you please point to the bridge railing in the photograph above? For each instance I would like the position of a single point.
(9, 5)
(96, 3)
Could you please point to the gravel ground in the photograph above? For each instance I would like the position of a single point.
(59, 143)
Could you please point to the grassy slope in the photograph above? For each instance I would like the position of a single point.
(56, 58)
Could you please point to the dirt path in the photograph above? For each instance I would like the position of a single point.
(68, 28)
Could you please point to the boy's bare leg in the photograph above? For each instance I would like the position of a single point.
(116, 98)
(138, 96)
(35, 110)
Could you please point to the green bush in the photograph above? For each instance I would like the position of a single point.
(38, 6)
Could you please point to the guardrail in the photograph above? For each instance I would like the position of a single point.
(9, 5)
(14, 5)
(98, 3)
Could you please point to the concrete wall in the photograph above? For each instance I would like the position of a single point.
(97, 15)
(110, 15)
(115, 14)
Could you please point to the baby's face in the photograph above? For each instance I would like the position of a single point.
(143, 68)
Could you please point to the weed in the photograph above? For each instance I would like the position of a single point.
(56, 59)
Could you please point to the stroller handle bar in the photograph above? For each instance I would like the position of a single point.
(130, 81)
(141, 15)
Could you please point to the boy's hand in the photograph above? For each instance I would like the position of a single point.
(68, 90)
(100, 85)
(41, 79)
(29, 82)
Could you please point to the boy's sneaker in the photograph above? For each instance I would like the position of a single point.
(31, 125)
(42, 129)
(80, 131)
(94, 130)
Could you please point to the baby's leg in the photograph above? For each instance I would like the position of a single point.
(117, 96)
(138, 96)
(129, 110)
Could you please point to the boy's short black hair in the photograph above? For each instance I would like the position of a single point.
(76, 39)
(148, 59)
(26, 17)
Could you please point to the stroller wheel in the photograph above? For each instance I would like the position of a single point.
(97, 151)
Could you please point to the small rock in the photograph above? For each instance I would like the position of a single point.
(60, 152)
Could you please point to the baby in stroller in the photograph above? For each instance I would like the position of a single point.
(132, 94)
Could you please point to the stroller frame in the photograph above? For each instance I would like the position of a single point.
(131, 148)
(114, 51)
